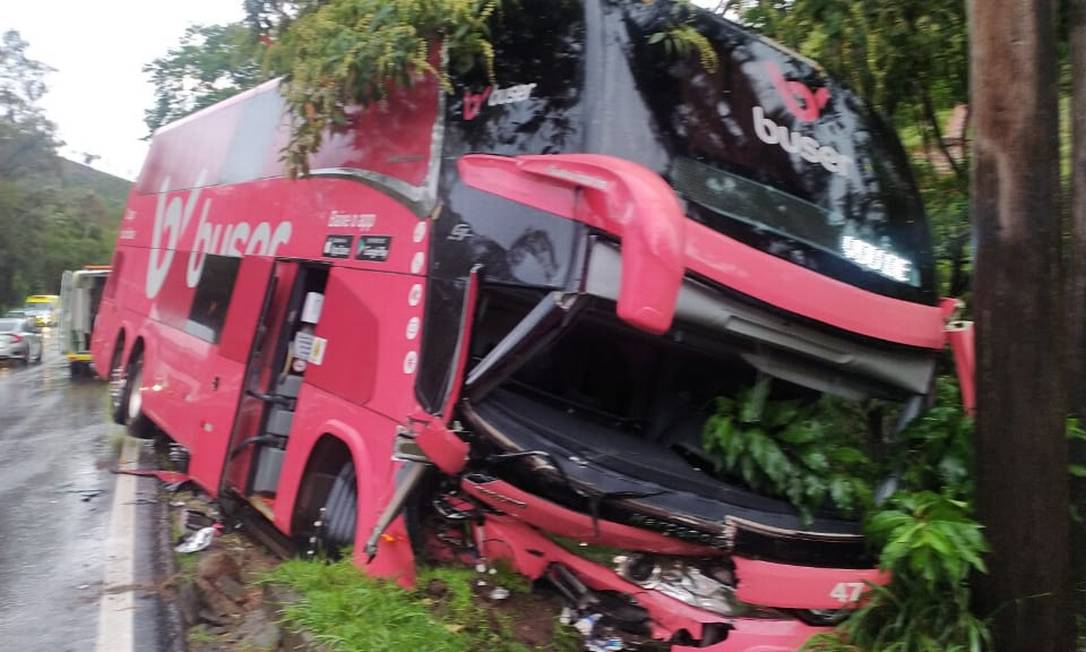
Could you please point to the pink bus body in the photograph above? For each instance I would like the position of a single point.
(334, 336)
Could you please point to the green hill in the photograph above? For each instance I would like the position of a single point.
(113, 191)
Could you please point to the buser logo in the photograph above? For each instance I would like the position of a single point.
(806, 105)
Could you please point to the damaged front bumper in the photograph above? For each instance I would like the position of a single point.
(747, 605)
(768, 627)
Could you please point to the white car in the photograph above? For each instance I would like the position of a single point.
(20, 339)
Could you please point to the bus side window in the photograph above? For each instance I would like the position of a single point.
(213, 292)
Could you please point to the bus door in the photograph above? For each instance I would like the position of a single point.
(227, 311)
(276, 367)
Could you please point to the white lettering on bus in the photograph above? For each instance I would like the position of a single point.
(793, 142)
(173, 218)
(360, 221)
(876, 259)
(237, 239)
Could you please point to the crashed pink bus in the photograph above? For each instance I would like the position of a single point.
(490, 324)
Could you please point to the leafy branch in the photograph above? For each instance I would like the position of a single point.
(352, 52)
(808, 454)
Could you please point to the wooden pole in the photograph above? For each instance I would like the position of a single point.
(1076, 307)
(1022, 478)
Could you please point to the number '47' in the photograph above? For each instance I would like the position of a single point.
(845, 592)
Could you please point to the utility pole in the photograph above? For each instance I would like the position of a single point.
(1076, 286)
(1022, 452)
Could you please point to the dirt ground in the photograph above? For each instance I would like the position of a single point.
(227, 603)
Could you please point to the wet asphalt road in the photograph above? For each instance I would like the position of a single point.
(55, 498)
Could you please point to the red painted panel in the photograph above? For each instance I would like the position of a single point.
(564, 522)
(349, 328)
(803, 587)
(241, 139)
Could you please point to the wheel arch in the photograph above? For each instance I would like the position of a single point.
(325, 456)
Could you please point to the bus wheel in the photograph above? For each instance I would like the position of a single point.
(132, 400)
(340, 511)
(117, 386)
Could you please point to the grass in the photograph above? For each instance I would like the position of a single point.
(200, 635)
(350, 612)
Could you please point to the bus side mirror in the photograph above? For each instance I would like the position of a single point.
(613, 195)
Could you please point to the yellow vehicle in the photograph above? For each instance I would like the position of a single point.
(42, 308)
(80, 293)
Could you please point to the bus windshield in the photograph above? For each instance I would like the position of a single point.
(769, 150)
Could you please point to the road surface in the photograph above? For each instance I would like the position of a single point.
(57, 535)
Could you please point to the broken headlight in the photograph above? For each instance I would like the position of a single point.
(708, 585)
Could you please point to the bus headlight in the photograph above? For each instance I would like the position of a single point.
(706, 587)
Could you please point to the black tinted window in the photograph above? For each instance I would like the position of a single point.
(768, 149)
(212, 298)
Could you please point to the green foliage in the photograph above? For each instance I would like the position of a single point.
(926, 535)
(907, 617)
(682, 39)
(808, 453)
(935, 452)
(930, 543)
(210, 64)
(22, 81)
(349, 612)
(54, 214)
(892, 53)
(351, 52)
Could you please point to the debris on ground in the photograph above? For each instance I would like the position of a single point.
(216, 589)
(173, 481)
(197, 541)
(231, 597)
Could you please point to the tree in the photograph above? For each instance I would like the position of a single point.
(22, 80)
(48, 223)
(340, 53)
(1022, 488)
(210, 64)
(1077, 282)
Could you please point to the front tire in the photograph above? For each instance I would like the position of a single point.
(340, 513)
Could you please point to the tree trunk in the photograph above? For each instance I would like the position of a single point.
(1076, 308)
(1022, 480)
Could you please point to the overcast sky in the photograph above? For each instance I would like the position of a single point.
(98, 93)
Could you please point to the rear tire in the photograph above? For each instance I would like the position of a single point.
(132, 399)
(117, 386)
(340, 515)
